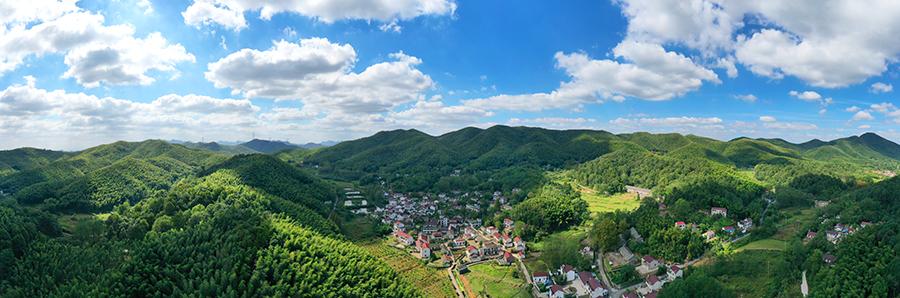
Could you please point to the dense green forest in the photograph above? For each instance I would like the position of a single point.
(251, 225)
(160, 219)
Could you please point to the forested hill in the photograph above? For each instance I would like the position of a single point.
(102, 177)
(12, 161)
(502, 157)
(248, 226)
(868, 149)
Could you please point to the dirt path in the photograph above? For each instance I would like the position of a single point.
(467, 286)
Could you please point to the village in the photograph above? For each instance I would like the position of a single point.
(446, 230)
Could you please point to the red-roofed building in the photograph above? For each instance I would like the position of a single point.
(540, 277)
(568, 271)
(674, 272)
(649, 261)
(588, 285)
(404, 238)
(653, 282)
(424, 249)
(680, 224)
(506, 260)
(556, 291)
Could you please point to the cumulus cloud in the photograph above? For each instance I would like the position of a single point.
(831, 43)
(646, 71)
(806, 95)
(555, 122)
(64, 120)
(318, 72)
(880, 87)
(58, 117)
(862, 115)
(853, 109)
(746, 97)
(94, 52)
(230, 13)
(889, 110)
(773, 123)
(668, 121)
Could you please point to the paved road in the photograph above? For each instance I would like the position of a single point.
(804, 287)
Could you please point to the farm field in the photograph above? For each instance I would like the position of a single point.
(598, 203)
(764, 244)
(492, 280)
(431, 281)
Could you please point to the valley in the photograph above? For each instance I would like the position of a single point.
(496, 212)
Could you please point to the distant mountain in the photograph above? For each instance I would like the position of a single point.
(503, 155)
(218, 147)
(268, 147)
(868, 149)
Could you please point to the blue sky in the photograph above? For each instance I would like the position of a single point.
(232, 69)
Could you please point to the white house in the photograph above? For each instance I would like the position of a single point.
(674, 272)
(649, 261)
(718, 211)
(568, 271)
(424, 249)
(745, 225)
(404, 238)
(588, 285)
(541, 278)
(556, 291)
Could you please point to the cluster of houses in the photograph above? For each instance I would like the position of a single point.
(743, 226)
(451, 234)
(652, 282)
(573, 282)
(840, 231)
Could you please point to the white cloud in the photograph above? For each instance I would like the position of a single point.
(318, 73)
(73, 120)
(884, 107)
(146, 5)
(773, 123)
(880, 87)
(668, 121)
(648, 72)
(555, 122)
(790, 125)
(391, 27)
(830, 43)
(230, 13)
(95, 53)
(806, 95)
(863, 115)
(864, 126)
(746, 97)
(889, 110)
(853, 109)
(289, 32)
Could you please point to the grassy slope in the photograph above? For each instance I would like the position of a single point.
(432, 282)
(496, 281)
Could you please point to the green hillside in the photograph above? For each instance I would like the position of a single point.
(503, 157)
(12, 161)
(207, 236)
(102, 177)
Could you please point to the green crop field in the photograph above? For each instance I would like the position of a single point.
(492, 280)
